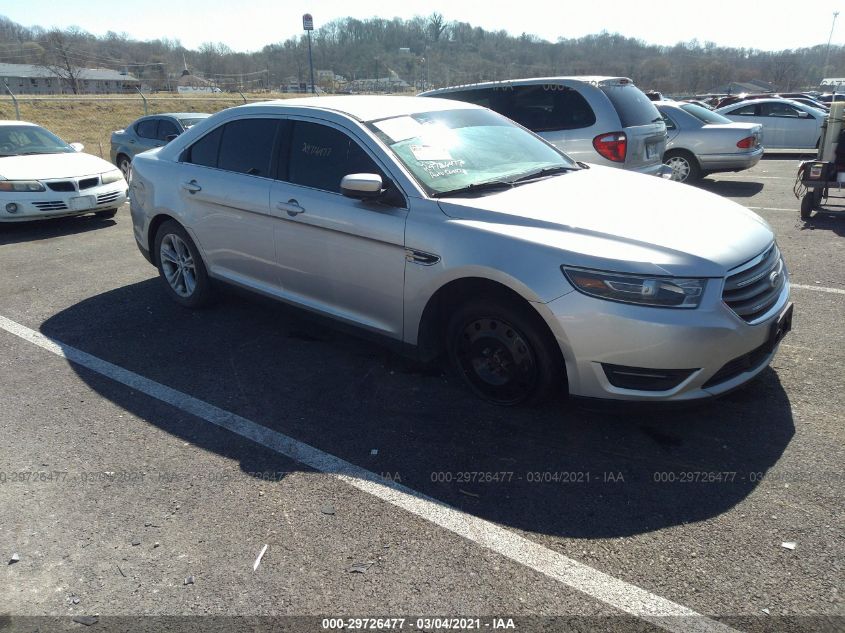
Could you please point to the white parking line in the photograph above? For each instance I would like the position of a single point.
(795, 210)
(836, 291)
(750, 177)
(612, 591)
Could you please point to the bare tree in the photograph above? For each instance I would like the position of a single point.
(436, 26)
(59, 57)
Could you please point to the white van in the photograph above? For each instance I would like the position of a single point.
(602, 120)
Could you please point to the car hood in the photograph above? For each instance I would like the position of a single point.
(48, 166)
(614, 220)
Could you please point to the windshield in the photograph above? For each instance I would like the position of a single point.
(705, 115)
(17, 140)
(454, 149)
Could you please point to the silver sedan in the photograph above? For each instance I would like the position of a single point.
(787, 124)
(450, 231)
(703, 142)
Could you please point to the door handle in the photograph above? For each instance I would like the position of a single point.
(291, 207)
(191, 187)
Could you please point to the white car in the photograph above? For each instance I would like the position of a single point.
(786, 124)
(41, 176)
(448, 229)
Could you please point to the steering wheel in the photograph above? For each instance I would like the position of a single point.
(6, 147)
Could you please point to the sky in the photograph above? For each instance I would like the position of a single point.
(251, 24)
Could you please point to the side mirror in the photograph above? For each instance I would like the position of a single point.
(77, 147)
(361, 186)
(170, 137)
(803, 115)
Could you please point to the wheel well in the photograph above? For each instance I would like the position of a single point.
(156, 222)
(431, 341)
(679, 150)
(122, 155)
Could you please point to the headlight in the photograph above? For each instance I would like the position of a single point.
(111, 176)
(665, 292)
(21, 185)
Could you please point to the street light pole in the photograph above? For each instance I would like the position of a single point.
(830, 37)
(308, 25)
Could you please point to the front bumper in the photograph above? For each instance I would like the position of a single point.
(55, 204)
(721, 350)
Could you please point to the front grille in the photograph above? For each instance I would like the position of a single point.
(62, 185)
(105, 198)
(52, 205)
(87, 183)
(739, 365)
(755, 287)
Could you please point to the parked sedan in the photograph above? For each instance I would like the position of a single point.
(149, 132)
(41, 176)
(703, 142)
(448, 229)
(786, 124)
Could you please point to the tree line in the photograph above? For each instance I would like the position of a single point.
(424, 52)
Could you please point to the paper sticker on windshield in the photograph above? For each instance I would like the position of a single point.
(428, 152)
(400, 128)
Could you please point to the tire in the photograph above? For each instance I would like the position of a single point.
(124, 164)
(503, 352)
(807, 204)
(180, 266)
(107, 214)
(685, 167)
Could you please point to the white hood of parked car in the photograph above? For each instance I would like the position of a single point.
(613, 219)
(48, 166)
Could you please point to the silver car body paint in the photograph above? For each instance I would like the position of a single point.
(352, 261)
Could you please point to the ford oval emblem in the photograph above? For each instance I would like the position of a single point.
(773, 278)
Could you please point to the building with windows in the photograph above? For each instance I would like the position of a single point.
(37, 80)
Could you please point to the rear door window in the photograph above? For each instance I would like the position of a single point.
(633, 107)
(204, 152)
(147, 128)
(247, 146)
(549, 107)
(780, 110)
(750, 109)
(482, 96)
(166, 128)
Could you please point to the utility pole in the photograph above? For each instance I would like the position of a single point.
(830, 37)
(308, 25)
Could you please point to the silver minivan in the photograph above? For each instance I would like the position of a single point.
(600, 120)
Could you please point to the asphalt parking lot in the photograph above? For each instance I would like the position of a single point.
(129, 487)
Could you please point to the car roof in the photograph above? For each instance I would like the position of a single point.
(367, 107)
(179, 115)
(771, 100)
(586, 79)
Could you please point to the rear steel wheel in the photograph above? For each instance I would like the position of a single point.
(684, 166)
